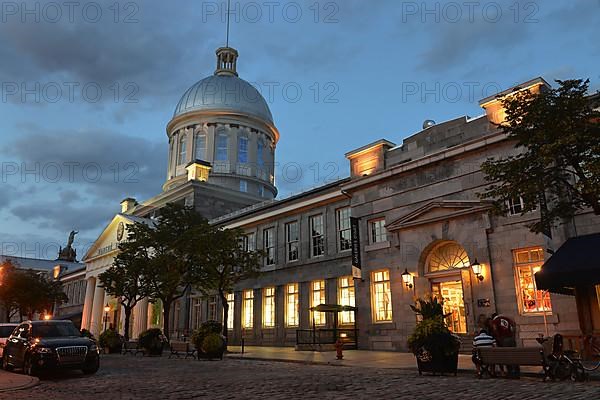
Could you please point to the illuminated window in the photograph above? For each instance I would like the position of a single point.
(248, 308)
(221, 147)
(291, 305)
(182, 150)
(318, 297)
(231, 304)
(269, 245)
(212, 308)
(448, 256)
(291, 240)
(381, 296)
(317, 235)
(344, 234)
(243, 150)
(378, 231)
(200, 146)
(346, 298)
(269, 307)
(527, 263)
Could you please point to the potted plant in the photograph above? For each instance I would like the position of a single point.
(208, 340)
(432, 343)
(110, 341)
(152, 341)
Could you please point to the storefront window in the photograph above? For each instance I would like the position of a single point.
(291, 305)
(318, 297)
(346, 298)
(381, 296)
(248, 309)
(527, 263)
(269, 307)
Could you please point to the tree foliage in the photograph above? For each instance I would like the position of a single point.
(163, 251)
(221, 263)
(28, 292)
(556, 165)
(123, 279)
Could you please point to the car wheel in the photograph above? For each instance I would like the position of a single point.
(5, 365)
(89, 370)
(28, 367)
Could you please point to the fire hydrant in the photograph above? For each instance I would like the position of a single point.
(339, 347)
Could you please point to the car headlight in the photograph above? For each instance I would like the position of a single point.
(43, 350)
(93, 348)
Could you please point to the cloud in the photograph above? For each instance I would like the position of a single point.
(103, 163)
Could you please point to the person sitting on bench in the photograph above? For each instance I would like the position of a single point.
(482, 340)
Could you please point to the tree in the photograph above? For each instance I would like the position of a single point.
(123, 278)
(8, 295)
(27, 292)
(220, 263)
(166, 255)
(557, 160)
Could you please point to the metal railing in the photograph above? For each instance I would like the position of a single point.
(348, 336)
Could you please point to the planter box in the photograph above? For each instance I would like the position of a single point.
(439, 364)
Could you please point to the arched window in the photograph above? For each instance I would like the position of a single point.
(182, 150)
(221, 147)
(448, 256)
(200, 146)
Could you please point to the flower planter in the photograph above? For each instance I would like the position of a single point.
(437, 363)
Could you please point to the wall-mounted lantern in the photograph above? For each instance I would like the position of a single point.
(477, 269)
(408, 279)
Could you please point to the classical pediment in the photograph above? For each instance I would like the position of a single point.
(438, 211)
(110, 237)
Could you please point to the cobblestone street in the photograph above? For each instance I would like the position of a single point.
(126, 377)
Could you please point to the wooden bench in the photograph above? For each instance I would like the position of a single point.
(132, 347)
(526, 356)
(180, 348)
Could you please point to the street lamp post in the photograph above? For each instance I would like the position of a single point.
(106, 310)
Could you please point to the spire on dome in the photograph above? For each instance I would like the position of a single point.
(226, 61)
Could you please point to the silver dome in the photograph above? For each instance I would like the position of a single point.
(224, 93)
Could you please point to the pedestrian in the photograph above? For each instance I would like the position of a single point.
(504, 330)
(483, 339)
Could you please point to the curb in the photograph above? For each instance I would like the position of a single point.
(33, 381)
(460, 371)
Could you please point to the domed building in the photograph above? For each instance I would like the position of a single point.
(221, 157)
(224, 121)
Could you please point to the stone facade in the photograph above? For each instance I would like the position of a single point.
(426, 193)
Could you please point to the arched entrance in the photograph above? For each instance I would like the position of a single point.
(443, 267)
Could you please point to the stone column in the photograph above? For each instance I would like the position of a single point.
(140, 318)
(97, 310)
(88, 302)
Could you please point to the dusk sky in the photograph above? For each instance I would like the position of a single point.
(87, 89)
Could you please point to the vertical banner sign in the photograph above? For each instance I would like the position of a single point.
(355, 240)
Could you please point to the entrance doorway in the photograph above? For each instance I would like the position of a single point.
(454, 305)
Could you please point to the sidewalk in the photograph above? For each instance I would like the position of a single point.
(352, 358)
(10, 381)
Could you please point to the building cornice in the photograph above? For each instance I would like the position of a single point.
(431, 158)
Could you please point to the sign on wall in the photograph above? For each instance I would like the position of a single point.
(355, 241)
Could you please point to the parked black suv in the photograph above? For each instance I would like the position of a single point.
(36, 345)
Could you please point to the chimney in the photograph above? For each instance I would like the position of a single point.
(127, 205)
